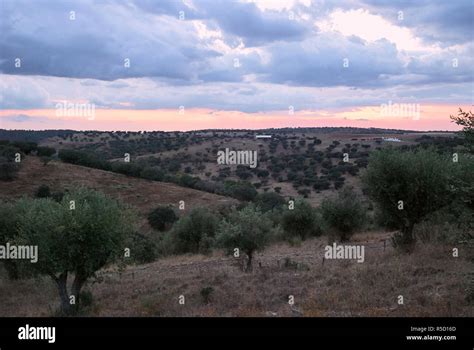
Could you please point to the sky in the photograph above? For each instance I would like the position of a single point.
(203, 64)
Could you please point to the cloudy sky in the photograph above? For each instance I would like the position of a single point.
(198, 64)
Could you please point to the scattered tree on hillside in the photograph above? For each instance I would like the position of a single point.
(408, 185)
(301, 221)
(344, 214)
(162, 218)
(247, 230)
(466, 120)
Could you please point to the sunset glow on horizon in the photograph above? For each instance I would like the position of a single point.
(433, 117)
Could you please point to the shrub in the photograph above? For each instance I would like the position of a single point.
(43, 192)
(142, 249)
(46, 151)
(206, 294)
(152, 173)
(247, 230)
(192, 232)
(243, 191)
(162, 218)
(269, 201)
(345, 214)
(8, 169)
(302, 221)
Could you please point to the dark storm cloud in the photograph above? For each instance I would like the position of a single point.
(97, 43)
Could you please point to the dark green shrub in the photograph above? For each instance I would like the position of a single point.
(192, 232)
(302, 221)
(345, 214)
(43, 192)
(162, 218)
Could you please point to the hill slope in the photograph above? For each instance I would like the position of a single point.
(141, 193)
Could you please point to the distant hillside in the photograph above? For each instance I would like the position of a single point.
(141, 193)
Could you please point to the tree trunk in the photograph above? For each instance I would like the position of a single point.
(408, 237)
(77, 286)
(61, 283)
(249, 261)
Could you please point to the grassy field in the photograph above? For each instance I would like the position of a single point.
(430, 280)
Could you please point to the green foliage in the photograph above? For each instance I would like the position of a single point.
(79, 241)
(25, 146)
(421, 179)
(345, 214)
(302, 221)
(466, 120)
(88, 159)
(243, 191)
(249, 230)
(43, 192)
(162, 218)
(206, 294)
(46, 151)
(269, 201)
(142, 249)
(152, 173)
(8, 169)
(193, 232)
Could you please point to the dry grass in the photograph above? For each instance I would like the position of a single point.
(144, 195)
(431, 281)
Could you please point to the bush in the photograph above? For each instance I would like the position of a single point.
(152, 173)
(193, 232)
(420, 179)
(46, 151)
(8, 169)
(43, 192)
(206, 294)
(302, 221)
(243, 191)
(142, 249)
(248, 230)
(87, 159)
(269, 201)
(345, 214)
(162, 218)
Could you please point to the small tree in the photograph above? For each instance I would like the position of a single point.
(407, 186)
(466, 120)
(195, 231)
(247, 230)
(162, 218)
(269, 201)
(301, 221)
(77, 241)
(344, 214)
(8, 169)
(46, 151)
(43, 192)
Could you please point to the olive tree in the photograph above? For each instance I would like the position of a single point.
(247, 230)
(408, 185)
(75, 237)
(345, 214)
(302, 221)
